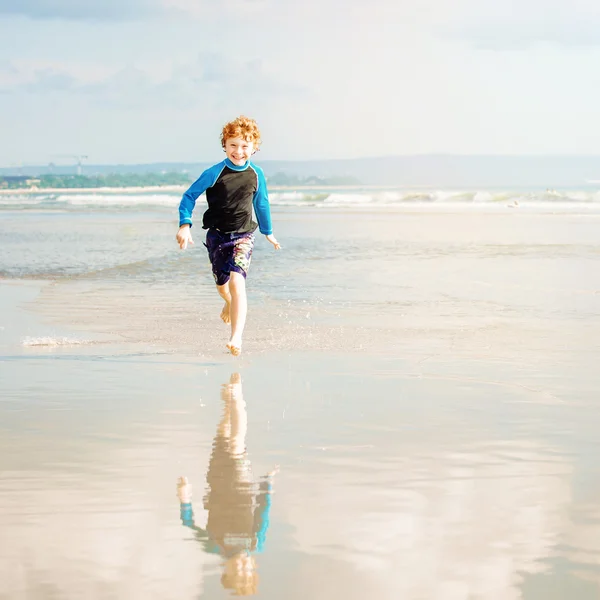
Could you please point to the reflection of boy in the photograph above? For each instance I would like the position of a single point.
(238, 508)
(233, 188)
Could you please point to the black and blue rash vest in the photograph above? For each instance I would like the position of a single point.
(231, 193)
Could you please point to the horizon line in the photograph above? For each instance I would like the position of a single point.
(305, 160)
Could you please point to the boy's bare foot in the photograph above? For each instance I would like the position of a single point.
(225, 314)
(235, 346)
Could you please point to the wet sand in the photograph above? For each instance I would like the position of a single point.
(450, 454)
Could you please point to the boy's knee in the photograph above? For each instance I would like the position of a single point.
(237, 283)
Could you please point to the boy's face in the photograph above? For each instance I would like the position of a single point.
(238, 150)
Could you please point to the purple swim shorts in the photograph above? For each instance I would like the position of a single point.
(229, 252)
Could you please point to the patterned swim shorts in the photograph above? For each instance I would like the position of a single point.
(229, 252)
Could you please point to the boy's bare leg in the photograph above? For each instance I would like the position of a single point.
(238, 310)
(238, 416)
(226, 295)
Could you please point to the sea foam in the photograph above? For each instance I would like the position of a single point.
(52, 342)
(372, 198)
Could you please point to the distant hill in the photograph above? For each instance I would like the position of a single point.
(420, 170)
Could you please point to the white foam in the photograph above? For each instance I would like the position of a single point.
(22, 200)
(345, 199)
(119, 199)
(334, 198)
(53, 341)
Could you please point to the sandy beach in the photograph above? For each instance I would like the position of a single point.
(421, 388)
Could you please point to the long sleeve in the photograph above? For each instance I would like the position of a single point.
(186, 513)
(262, 514)
(188, 201)
(261, 205)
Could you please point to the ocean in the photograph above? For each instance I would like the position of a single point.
(413, 415)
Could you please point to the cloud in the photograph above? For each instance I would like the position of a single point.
(109, 10)
(521, 37)
(77, 10)
(9, 76)
(516, 25)
(198, 8)
(215, 78)
(48, 80)
(48, 76)
(490, 24)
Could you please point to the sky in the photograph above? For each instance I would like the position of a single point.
(135, 81)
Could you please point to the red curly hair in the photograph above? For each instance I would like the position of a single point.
(243, 127)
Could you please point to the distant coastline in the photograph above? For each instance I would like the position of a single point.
(447, 171)
(96, 190)
(145, 182)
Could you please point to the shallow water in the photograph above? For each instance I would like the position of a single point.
(343, 280)
(424, 384)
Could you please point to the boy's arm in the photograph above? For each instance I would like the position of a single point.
(186, 512)
(260, 201)
(262, 513)
(188, 201)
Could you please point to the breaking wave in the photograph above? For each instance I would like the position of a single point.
(330, 198)
(53, 342)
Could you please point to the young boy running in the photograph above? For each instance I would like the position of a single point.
(233, 188)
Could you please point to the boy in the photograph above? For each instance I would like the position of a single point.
(233, 187)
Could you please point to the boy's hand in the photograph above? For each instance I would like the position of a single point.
(184, 236)
(271, 238)
(184, 490)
